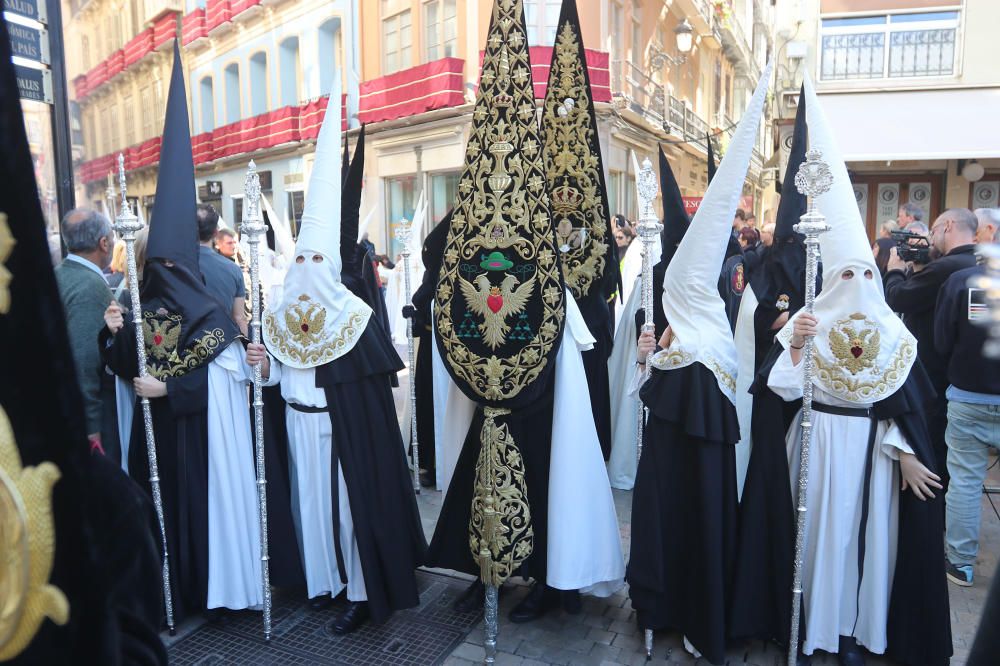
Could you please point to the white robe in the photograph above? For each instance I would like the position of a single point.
(836, 476)
(234, 575)
(310, 448)
(584, 543)
(746, 352)
(624, 405)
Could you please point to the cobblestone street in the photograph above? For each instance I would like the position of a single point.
(604, 634)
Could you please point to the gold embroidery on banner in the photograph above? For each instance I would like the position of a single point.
(573, 169)
(161, 332)
(28, 541)
(495, 304)
(501, 536)
(287, 342)
(501, 207)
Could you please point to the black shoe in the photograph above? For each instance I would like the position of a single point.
(218, 615)
(322, 602)
(803, 660)
(472, 599)
(571, 602)
(352, 618)
(539, 601)
(427, 479)
(849, 653)
(959, 575)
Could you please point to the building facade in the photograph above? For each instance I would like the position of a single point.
(259, 72)
(911, 89)
(420, 67)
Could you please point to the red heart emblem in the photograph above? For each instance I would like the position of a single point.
(304, 327)
(494, 302)
(857, 351)
(157, 339)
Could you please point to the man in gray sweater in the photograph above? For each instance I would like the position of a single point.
(85, 296)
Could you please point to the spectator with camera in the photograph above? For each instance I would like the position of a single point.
(911, 289)
(973, 413)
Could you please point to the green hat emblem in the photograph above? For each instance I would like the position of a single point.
(496, 262)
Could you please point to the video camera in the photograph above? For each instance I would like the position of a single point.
(912, 247)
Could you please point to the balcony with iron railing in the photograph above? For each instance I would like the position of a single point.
(637, 92)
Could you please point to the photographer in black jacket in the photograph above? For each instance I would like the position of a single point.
(912, 290)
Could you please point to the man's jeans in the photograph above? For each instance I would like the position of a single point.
(972, 431)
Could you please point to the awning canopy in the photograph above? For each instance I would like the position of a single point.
(915, 125)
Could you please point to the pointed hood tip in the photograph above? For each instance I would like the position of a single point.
(793, 203)
(173, 233)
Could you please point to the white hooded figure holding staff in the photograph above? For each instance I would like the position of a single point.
(353, 506)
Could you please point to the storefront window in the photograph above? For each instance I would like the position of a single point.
(444, 190)
(400, 201)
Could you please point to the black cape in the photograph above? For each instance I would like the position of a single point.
(684, 509)
(919, 625)
(369, 446)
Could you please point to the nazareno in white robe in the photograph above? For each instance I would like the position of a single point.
(832, 603)
(584, 544)
(310, 448)
(623, 462)
(234, 574)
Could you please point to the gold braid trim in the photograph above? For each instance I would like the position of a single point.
(671, 359)
(288, 344)
(573, 169)
(164, 359)
(500, 532)
(835, 378)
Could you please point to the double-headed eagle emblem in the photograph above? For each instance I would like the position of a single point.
(495, 304)
(855, 349)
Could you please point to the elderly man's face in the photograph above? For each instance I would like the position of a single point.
(902, 219)
(226, 245)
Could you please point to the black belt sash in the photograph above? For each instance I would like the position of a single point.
(861, 413)
(334, 486)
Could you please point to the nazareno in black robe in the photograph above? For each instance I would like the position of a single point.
(684, 508)
(919, 625)
(180, 428)
(531, 429)
(387, 523)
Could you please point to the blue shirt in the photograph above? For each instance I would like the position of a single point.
(223, 277)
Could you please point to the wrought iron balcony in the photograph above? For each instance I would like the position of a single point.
(641, 93)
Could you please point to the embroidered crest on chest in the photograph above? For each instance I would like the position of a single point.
(855, 343)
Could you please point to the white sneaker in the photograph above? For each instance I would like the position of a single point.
(691, 649)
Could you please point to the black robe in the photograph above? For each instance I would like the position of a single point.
(180, 428)
(919, 624)
(531, 429)
(368, 444)
(684, 508)
(423, 373)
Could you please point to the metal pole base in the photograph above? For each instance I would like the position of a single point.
(648, 637)
(172, 631)
(490, 624)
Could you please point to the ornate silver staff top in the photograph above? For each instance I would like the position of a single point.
(812, 179)
(404, 233)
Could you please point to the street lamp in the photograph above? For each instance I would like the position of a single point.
(684, 36)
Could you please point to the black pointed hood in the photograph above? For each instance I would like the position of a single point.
(574, 172)
(785, 262)
(711, 158)
(675, 218)
(793, 203)
(185, 327)
(350, 212)
(173, 231)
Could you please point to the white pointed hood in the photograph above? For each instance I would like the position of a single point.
(691, 300)
(863, 352)
(318, 319)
